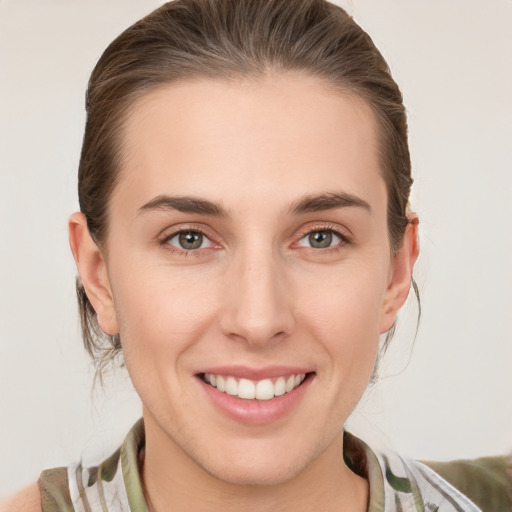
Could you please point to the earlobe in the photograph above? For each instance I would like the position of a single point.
(401, 274)
(91, 266)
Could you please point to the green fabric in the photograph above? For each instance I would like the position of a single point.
(54, 488)
(486, 481)
(360, 458)
(130, 463)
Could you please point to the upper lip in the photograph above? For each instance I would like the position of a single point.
(247, 372)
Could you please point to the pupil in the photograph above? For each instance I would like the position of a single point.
(191, 240)
(320, 239)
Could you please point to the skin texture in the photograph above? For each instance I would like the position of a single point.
(255, 294)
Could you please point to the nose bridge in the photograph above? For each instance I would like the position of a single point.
(257, 306)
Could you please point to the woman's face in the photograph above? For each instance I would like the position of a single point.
(248, 241)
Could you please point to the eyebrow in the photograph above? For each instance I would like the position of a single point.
(307, 204)
(184, 204)
(328, 201)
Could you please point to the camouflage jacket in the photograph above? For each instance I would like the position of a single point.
(396, 484)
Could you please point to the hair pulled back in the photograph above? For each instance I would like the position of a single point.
(230, 39)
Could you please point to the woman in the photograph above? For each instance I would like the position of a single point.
(245, 239)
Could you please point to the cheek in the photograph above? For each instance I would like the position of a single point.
(162, 318)
(161, 312)
(349, 298)
(344, 315)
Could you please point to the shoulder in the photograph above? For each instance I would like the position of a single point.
(397, 483)
(487, 481)
(27, 500)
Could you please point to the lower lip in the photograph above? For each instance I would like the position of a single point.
(256, 412)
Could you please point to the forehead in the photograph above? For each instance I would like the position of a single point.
(283, 135)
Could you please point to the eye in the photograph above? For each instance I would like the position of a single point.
(321, 239)
(189, 240)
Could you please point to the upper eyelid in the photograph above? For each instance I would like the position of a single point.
(344, 233)
(165, 236)
(170, 232)
(181, 231)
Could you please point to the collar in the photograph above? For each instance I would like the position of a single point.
(396, 484)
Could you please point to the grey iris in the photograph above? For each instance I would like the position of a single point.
(320, 239)
(191, 240)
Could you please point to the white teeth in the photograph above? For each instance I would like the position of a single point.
(265, 390)
(231, 386)
(280, 386)
(247, 389)
(221, 383)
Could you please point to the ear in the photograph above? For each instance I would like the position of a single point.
(402, 266)
(92, 268)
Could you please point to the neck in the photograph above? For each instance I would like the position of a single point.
(173, 481)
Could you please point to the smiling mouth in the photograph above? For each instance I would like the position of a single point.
(265, 389)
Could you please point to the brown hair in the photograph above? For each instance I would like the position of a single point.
(231, 39)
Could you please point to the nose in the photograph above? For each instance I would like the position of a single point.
(257, 301)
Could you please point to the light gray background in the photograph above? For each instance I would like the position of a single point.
(454, 399)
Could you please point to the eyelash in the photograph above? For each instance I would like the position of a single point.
(164, 240)
(344, 238)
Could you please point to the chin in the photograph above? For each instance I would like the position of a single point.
(269, 474)
(266, 466)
